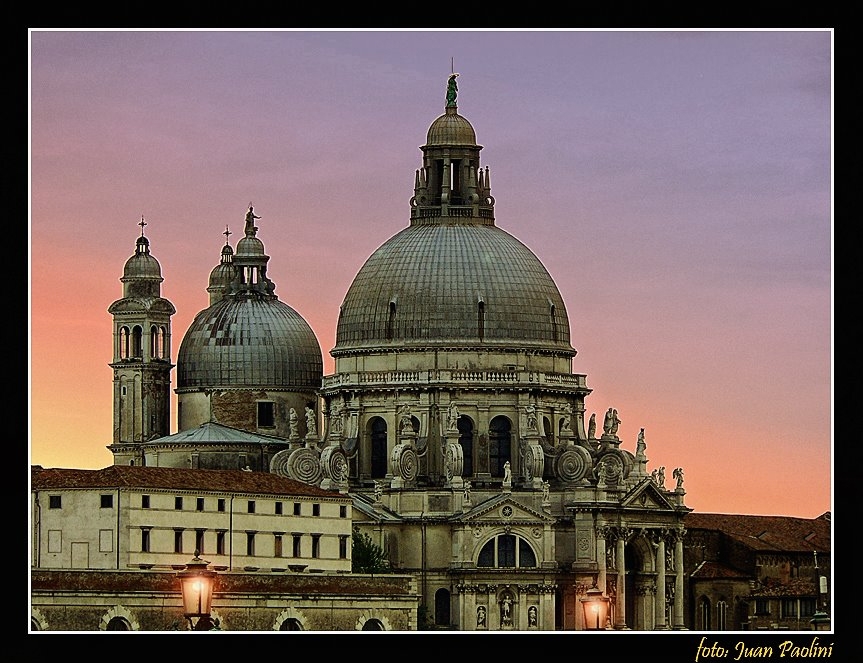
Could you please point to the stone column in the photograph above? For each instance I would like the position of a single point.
(620, 560)
(659, 604)
(678, 580)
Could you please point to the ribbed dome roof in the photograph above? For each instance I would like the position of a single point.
(453, 284)
(142, 264)
(451, 129)
(223, 273)
(249, 342)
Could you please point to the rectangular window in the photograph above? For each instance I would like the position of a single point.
(199, 504)
(807, 607)
(788, 608)
(55, 502)
(178, 540)
(266, 414)
(221, 504)
(178, 502)
(297, 538)
(145, 501)
(316, 509)
(343, 546)
(55, 541)
(762, 607)
(106, 540)
(250, 544)
(220, 542)
(199, 541)
(277, 545)
(343, 511)
(316, 545)
(278, 508)
(251, 506)
(106, 501)
(296, 508)
(145, 539)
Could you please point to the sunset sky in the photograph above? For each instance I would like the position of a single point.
(676, 184)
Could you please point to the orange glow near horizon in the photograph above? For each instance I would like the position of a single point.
(677, 187)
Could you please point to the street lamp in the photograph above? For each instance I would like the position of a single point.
(595, 608)
(196, 582)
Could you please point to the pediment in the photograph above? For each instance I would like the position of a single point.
(504, 508)
(646, 495)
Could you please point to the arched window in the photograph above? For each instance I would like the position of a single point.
(155, 345)
(507, 551)
(499, 444)
(465, 439)
(704, 614)
(124, 343)
(137, 349)
(441, 607)
(379, 447)
(118, 624)
(548, 430)
(721, 615)
(480, 319)
(373, 625)
(291, 624)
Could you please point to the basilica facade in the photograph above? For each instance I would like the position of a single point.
(453, 420)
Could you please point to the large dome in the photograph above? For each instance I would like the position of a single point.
(453, 284)
(249, 342)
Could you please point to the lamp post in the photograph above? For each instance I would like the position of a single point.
(820, 620)
(595, 607)
(196, 582)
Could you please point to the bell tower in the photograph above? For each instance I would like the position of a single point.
(141, 356)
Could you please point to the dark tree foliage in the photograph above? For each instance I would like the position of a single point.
(367, 556)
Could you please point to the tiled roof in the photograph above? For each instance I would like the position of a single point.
(717, 570)
(170, 478)
(794, 587)
(211, 432)
(768, 533)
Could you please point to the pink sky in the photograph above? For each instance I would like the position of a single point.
(677, 186)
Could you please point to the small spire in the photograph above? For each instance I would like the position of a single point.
(142, 224)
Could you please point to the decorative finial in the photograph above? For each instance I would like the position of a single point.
(142, 224)
(227, 234)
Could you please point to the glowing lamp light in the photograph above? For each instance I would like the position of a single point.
(595, 607)
(196, 582)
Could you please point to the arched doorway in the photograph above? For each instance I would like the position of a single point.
(500, 444)
(442, 607)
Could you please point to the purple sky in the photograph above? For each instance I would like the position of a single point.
(676, 184)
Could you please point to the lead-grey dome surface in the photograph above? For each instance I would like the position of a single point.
(249, 342)
(453, 285)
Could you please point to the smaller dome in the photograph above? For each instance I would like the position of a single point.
(142, 264)
(250, 246)
(451, 129)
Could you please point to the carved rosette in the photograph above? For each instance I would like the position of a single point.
(305, 465)
(534, 460)
(334, 464)
(453, 460)
(404, 462)
(573, 464)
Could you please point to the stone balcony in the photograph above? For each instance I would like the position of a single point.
(457, 378)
